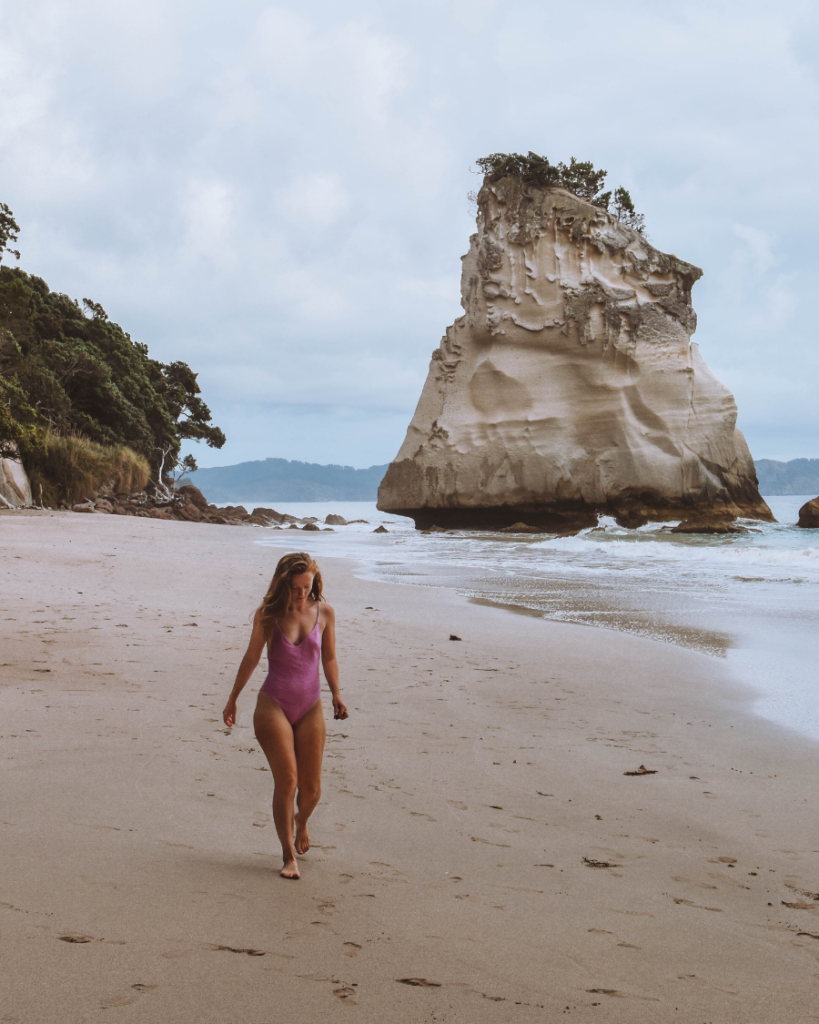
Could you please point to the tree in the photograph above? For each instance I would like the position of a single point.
(625, 212)
(72, 374)
(9, 231)
(580, 177)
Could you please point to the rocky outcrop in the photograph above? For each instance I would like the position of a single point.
(809, 515)
(15, 489)
(188, 504)
(569, 387)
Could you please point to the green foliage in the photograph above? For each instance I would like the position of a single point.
(70, 469)
(580, 177)
(17, 417)
(83, 377)
(624, 210)
(9, 230)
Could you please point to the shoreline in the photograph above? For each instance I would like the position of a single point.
(135, 820)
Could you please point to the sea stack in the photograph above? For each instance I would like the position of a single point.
(570, 387)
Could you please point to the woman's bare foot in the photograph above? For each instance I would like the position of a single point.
(290, 869)
(302, 837)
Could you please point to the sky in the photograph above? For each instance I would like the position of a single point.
(277, 193)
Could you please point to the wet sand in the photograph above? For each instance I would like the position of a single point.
(480, 853)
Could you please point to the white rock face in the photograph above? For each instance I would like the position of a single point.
(570, 386)
(15, 489)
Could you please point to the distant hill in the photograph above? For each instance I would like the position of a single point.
(799, 476)
(282, 480)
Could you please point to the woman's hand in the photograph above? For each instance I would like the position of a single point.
(229, 714)
(339, 707)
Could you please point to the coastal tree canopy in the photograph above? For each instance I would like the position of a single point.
(9, 230)
(580, 177)
(82, 375)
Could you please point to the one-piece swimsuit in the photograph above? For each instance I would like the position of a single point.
(293, 671)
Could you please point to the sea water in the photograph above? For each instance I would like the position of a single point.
(751, 599)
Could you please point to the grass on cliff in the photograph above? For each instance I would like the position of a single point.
(70, 469)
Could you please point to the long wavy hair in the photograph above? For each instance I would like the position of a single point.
(277, 599)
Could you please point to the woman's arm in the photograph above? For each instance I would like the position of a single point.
(329, 663)
(246, 669)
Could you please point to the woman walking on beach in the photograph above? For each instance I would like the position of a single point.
(297, 626)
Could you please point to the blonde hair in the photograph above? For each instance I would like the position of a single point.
(277, 599)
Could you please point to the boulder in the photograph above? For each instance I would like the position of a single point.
(311, 526)
(381, 529)
(520, 528)
(713, 522)
(83, 508)
(570, 387)
(102, 505)
(809, 515)
(633, 518)
(269, 514)
(193, 495)
(334, 520)
(191, 512)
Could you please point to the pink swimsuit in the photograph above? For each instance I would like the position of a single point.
(293, 673)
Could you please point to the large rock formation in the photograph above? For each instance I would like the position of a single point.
(570, 386)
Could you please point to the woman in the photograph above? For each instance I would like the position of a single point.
(297, 626)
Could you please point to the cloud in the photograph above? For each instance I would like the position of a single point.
(757, 250)
(277, 193)
(208, 206)
(317, 199)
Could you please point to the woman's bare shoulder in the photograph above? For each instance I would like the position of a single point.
(327, 612)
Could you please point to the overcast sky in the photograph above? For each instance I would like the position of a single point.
(276, 193)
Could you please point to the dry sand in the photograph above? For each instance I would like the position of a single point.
(471, 804)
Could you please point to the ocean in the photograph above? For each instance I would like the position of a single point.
(751, 599)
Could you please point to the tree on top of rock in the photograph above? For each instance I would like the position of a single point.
(579, 177)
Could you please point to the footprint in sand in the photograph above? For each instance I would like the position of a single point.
(235, 949)
(345, 994)
(351, 949)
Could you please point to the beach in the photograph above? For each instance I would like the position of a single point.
(480, 852)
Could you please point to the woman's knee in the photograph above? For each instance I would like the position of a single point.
(310, 791)
(284, 785)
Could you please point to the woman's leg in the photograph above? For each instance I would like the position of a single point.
(309, 734)
(275, 736)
